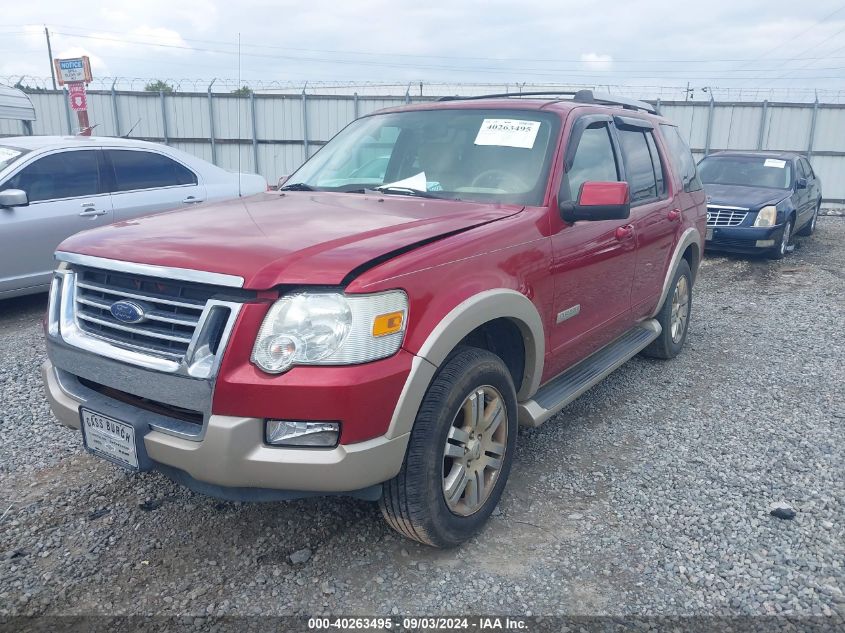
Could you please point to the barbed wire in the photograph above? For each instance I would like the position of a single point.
(434, 88)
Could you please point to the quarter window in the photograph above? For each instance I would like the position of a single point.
(61, 175)
(146, 170)
(594, 161)
(639, 170)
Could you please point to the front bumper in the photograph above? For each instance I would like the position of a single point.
(232, 455)
(744, 239)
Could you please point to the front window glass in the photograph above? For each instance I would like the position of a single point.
(746, 171)
(460, 154)
(8, 155)
(594, 161)
(60, 175)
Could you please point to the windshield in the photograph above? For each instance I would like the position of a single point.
(460, 154)
(748, 171)
(8, 155)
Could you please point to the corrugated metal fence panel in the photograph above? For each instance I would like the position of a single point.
(280, 133)
(187, 116)
(327, 116)
(229, 114)
(830, 130)
(278, 160)
(788, 128)
(278, 117)
(735, 127)
(691, 120)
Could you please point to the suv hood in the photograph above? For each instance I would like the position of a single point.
(752, 198)
(296, 238)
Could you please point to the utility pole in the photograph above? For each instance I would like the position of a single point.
(50, 54)
(686, 96)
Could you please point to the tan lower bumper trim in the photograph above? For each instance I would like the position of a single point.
(232, 453)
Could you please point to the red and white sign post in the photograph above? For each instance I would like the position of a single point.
(75, 74)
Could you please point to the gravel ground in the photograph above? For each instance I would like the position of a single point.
(649, 495)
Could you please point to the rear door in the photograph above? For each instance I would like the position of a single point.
(654, 213)
(145, 182)
(66, 195)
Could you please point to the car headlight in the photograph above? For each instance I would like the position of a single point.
(330, 328)
(767, 216)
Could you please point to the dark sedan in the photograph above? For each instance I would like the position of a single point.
(756, 201)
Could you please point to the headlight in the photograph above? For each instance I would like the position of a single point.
(767, 216)
(330, 328)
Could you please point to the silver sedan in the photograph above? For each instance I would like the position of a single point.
(52, 187)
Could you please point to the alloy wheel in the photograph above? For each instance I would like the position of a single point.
(475, 450)
(680, 309)
(784, 240)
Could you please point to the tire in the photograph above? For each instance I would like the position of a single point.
(810, 228)
(670, 342)
(780, 251)
(414, 502)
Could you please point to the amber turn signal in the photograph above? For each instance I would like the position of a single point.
(389, 323)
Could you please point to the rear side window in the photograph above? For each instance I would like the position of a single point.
(594, 161)
(808, 168)
(146, 170)
(681, 158)
(61, 175)
(639, 169)
(656, 163)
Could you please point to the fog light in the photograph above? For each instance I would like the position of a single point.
(290, 433)
(764, 243)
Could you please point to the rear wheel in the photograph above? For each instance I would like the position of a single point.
(673, 316)
(810, 227)
(782, 248)
(459, 455)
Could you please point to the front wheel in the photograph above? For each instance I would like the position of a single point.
(673, 316)
(782, 248)
(459, 455)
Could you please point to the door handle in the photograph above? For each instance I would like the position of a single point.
(674, 214)
(91, 213)
(191, 200)
(624, 232)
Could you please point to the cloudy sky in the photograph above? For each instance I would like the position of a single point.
(747, 44)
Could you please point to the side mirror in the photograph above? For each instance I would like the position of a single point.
(13, 198)
(801, 183)
(598, 201)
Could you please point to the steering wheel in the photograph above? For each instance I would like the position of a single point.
(497, 179)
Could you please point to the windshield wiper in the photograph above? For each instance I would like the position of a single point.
(297, 186)
(405, 191)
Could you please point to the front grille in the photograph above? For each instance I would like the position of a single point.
(172, 310)
(725, 217)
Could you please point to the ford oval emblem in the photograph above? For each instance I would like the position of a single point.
(128, 311)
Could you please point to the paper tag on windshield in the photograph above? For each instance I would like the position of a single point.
(774, 162)
(508, 133)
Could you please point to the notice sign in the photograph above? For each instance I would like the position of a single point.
(77, 96)
(73, 70)
(508, 133)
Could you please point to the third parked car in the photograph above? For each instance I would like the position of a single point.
(756, 201)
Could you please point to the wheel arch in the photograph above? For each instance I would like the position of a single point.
(689, 248)
(457, 327)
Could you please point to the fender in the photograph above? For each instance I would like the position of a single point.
(452, 329)
(690, 236)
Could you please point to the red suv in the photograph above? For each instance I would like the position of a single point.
(433, 276)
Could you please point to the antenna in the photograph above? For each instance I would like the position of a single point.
(132, 129)
(239, 116)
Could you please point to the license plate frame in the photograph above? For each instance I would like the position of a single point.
(110, 438)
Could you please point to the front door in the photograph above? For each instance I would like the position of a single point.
(593, 261)
(65, 197)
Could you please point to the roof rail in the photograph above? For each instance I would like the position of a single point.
(581, 96)
(588, 96)
(542, 93)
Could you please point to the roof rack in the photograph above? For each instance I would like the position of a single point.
(581, 96)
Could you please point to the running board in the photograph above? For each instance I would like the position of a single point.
(560, 391)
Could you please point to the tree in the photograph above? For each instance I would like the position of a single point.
(158, 86)
(243, 91)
